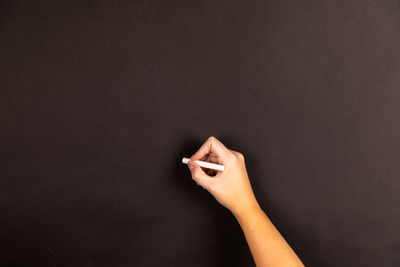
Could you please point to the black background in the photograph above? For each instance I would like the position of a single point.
(100, 101)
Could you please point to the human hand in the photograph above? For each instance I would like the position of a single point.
(231, 188)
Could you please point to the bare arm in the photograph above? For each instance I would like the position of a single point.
(232, 189)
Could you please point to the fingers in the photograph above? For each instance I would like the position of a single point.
(199, 176)
(218, 152)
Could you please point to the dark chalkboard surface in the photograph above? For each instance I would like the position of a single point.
(100, 100)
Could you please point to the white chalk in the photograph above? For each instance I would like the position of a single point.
(205, 164)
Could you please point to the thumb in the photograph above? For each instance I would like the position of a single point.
(198, 175)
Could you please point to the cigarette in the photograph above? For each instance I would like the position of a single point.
(205, 164)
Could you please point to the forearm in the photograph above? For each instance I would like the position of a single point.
(266, 244)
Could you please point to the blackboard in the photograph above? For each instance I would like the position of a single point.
(100, 100)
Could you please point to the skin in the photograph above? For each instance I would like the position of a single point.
(232, 189)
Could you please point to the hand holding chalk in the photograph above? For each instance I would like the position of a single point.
(205, 164)
(231, 187)
(225, 175)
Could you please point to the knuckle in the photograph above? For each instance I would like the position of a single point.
(212, 138)
(195, 177)
(237, 157)
(240, 156)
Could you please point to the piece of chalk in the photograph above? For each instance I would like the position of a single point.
(205, 164)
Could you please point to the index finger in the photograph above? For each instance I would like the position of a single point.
(214, 147)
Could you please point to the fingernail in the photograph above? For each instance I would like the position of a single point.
(190, 165)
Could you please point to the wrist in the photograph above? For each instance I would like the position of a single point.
(247, 209)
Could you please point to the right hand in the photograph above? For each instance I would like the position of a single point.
(231, 187)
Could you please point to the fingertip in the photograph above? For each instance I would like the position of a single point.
(191, 165)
